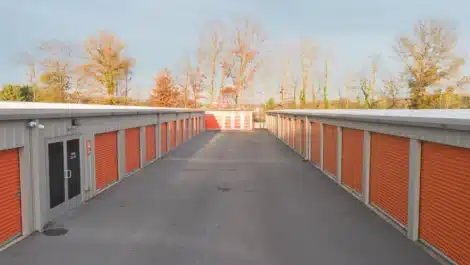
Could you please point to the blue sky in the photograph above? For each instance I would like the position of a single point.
(160, 33)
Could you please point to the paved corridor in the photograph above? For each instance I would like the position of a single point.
(222, 199)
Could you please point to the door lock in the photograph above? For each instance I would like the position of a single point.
(18, 194)
(68, 174)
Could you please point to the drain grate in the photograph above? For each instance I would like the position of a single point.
(223, 189)
(55, 231)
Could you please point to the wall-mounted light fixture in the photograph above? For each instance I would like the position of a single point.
(75, 123)
(35, 124)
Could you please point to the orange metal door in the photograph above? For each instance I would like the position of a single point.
(172, 134)
(389, 159)
(303, 137)
(330, 139)
(237, 121)
(351, 159)
(132, 136)
(228, 121)
(297, 135)
(315, 143)
(106, 159)
(180, 131)
(164, 137)
(247, 121)
(444, 219)
(186, 130)
(291, 132)
(198, 125)
(151, 148)
(10, 196)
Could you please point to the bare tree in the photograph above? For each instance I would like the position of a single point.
(429, 58)
(210, 53)
(308, 53)
(245, 49)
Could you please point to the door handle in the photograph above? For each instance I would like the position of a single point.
(68, 174)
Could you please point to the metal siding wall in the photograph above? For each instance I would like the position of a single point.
(389, 165)
(13, 134)
(444, 214)
(351, 159)
(330, 137)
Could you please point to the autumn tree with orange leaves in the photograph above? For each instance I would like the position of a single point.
(164, 94)
(107, 64)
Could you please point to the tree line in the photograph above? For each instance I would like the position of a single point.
(233, 58)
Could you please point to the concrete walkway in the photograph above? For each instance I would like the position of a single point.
(223, 199)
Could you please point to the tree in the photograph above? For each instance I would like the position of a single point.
(429, 58)
(16, 93)
(308, 52)
(210, 51)
(367, 85)
(325, 86)
(164, 94)
(107, 63)
(245, 49)
(270, 104)
(56, 77)
(391, 91)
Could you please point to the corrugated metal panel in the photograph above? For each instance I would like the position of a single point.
(12, 134)
(291, 132)
(315, 143)
(106, 159)
(445, 200)
(10, 199)
(150, 143)
(164, 137)
(237, 121)
(186, 130)
(247, 121)
(351, 159)
(389, 163)
(132, 136)
(330, 140)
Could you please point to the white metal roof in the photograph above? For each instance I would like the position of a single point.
(30, 110)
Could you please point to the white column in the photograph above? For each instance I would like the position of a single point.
(366, 167)
(414, 189)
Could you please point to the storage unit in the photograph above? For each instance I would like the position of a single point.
(186, 130)
(247, 120)
(330, 140)
(132, 138)
(106, 159)
(172, 134)
(164, 137)
(444, 218)
(237, 122)
(151, 143)
(389, 163)
(10, 196)
(180, 131)
(303, 137)
(298, 135)
(228, 122)
(351, 159)
(291, 132)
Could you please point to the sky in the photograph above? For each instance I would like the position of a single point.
(160, 34)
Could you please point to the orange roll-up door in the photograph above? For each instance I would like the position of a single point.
(164, 137)
(444, 219)
(291, 132)
(228, 121)
(315, 143)
(186, 130)
(180, 131)
(132, 136)
(150, 148)
(351, 159)
(106, 159)
(303, 137)
(237, 121)
(10, 196)
(247, 121)
(172, 134)
(330, 140)
(297, 135)
(389, 159)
